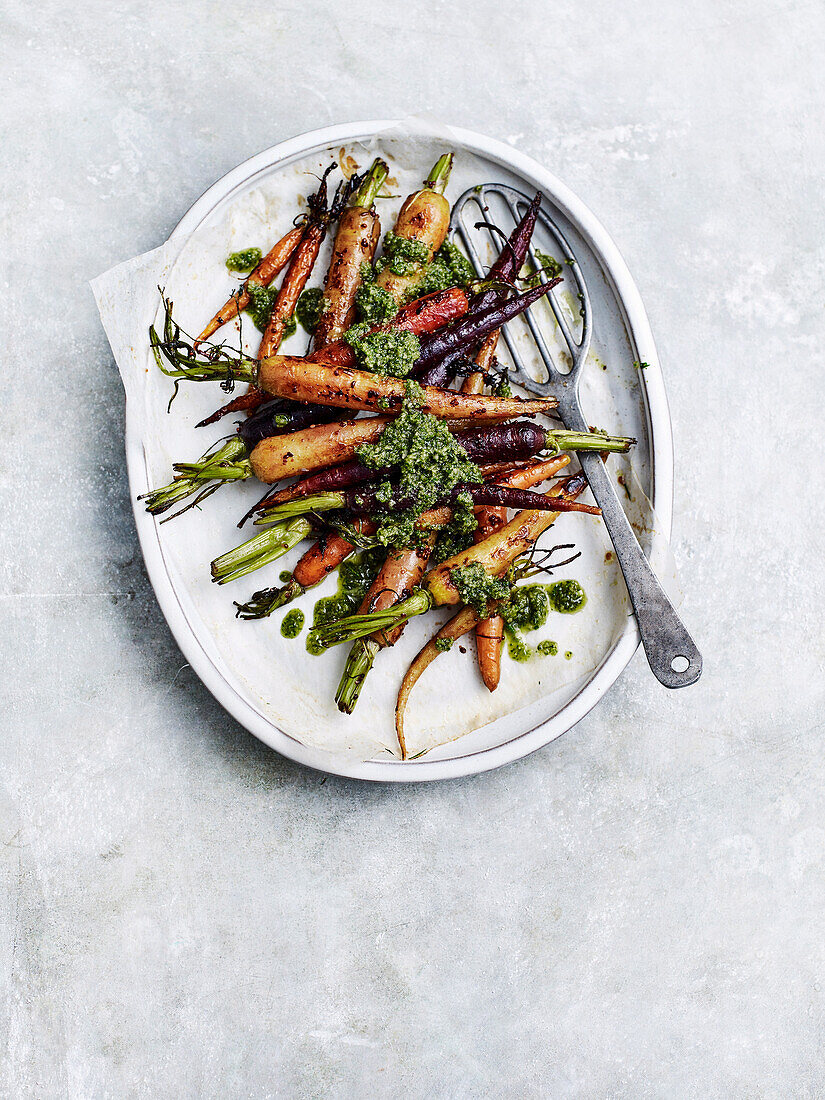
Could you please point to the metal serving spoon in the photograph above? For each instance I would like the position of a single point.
(671, 652)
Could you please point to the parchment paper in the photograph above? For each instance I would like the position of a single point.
(295, 690)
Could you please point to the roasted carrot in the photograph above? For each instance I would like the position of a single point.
(323, 557)
(356, 239)
(403, 568)
(495, 555)
(490, 632)
(450, 632)
(424, 217)
(314, 448)
(273, 262)
(302, 380)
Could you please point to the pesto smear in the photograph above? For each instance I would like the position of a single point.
(450, 267)
(311, 305)
(390, 354)
(427, 462)
(293, 623)
(245, 260)
(261, 304)
(566, 596)
(354, 579)
(477, 588)
(402, 255)
(375, 305)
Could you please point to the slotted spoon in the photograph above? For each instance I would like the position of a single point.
(672, 654)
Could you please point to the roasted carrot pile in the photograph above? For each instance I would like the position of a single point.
(394, 444)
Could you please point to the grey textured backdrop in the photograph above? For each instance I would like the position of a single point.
(635, 911)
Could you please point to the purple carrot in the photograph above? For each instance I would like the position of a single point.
(282, 415)
(365, 500)
(502, 496)
(469, 330)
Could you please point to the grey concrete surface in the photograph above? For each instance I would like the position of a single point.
(635, 911)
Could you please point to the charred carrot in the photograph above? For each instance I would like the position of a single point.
(403, 568)
(424, 218)
(356, 239)
(300, 268)
(273, 262)
(494, 555)
(490, 632)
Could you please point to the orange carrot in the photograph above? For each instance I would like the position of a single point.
(272, 263)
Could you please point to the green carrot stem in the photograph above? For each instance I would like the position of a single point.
(367, 193)
(266, 600)
(360, 661)
(220, 365)
(562, 440)
(440, 174)
(222, 463)
(319, 502)
(260, 550)
(359, 626)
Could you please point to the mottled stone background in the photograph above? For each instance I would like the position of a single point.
(635, 911)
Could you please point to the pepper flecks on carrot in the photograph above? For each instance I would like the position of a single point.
(356, 239)
(424, 220)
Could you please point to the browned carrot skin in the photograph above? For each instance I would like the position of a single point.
(300, 452)
(355, 243)
(273, 262)
(303, 380)
(425, 217)
(300, 269)
(324, 556)
(427, 314)
(402, 570)
(490, 632)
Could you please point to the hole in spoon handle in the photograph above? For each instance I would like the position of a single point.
(672, 654)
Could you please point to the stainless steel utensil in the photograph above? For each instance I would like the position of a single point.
(671, 652)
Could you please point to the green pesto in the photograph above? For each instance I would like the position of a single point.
(443, 645)
(547, 649)
(261, 301)
(391, 354)
(568, 655)
(427, 463)
(402, 255)
(245, 260)
(459, 533)
(285, 576)
(375, 305)
(568, 597)
(517, 648)
(293, 623)
(450, 267)
(477, 588)
(290, 328)
(354, 579)
(527, 608)
(311, 304)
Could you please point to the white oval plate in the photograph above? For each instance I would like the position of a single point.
(620, 321)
